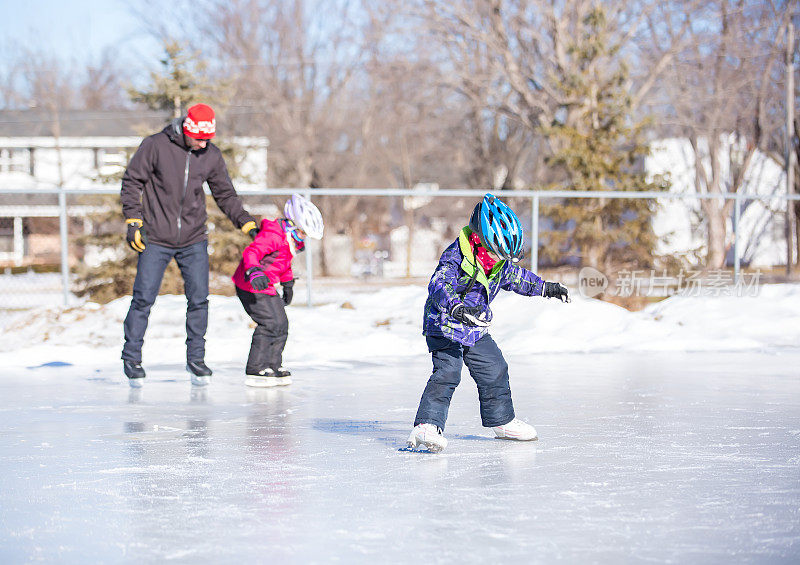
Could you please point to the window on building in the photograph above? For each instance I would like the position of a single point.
(14, 160)
(110, 161)
(6, 235)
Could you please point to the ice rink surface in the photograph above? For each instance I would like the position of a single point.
(682, 458)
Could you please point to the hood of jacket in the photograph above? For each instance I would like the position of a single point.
(174, 131)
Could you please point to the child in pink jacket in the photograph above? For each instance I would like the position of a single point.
(266, 263)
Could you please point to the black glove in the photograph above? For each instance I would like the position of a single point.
(556, 290)
(257, 279)
(288, 292)
(253, 233)
(471, 315)
(135, 236)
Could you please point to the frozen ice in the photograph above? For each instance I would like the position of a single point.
(666, 457)
(667, 435)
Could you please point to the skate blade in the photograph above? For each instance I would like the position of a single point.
(260, 382)
(535, 438)
(417, 446)
(136, 382)
(419, 449)
(283, 381)
(200, 380)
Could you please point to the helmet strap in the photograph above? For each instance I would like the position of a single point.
(290, 227)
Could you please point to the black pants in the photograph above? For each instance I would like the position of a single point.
(193, 263)
(269, 337)
(486, 365)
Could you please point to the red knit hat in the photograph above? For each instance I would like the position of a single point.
(200, 122)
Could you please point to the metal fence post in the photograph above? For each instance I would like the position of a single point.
(19, 241)
(309, 267)
(535, 233)
(737, 215)
(62, 213)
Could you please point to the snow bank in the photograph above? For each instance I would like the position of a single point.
(377, 326)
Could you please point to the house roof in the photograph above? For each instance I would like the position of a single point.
(81, 123)
(109, 123)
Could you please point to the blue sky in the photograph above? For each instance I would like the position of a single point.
(78, 30)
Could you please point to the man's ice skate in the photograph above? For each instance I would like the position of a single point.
(134, 372)
(283, 376)
(263, 378)
(428, 435)
(516, 429)
(200, 373)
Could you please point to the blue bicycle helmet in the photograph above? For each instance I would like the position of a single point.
(498, 228)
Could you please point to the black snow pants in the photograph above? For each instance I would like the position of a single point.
(486, 365)
(269, 337)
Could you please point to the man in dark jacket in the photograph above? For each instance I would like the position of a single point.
(165, 209)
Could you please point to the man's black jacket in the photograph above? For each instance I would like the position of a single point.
(163, 186)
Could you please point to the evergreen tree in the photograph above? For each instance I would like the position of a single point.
(598, 146)
(181, 82)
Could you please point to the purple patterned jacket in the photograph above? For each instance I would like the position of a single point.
(450, 283)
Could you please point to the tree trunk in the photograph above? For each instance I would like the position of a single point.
(592, 256)
(323, 203)
(797, 233)
(716, 240)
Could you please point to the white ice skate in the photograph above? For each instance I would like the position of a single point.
(264, 378)
(517, 430)
(428, 435)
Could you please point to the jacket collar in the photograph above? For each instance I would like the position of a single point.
(174, 131)
(469, 263)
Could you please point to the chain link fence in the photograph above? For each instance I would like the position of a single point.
(50, 239)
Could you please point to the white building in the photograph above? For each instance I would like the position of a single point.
(679, 223)
(91, 153)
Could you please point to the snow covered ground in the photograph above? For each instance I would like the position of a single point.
(386, 324)
(668, 435)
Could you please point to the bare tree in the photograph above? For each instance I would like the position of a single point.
(289, 71)
(292, 65)
(36, 78)
(718, 89)
(101, 86)
(525, 47)
(46, 82)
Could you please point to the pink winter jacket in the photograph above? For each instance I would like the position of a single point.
(273, 252)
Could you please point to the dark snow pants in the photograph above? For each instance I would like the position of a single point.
(272, 329)
(487, 367)
(193, 263)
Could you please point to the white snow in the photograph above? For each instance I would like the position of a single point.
(387, 324)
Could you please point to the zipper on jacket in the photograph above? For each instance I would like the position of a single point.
(183, 197)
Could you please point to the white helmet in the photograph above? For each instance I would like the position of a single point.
(305, 215)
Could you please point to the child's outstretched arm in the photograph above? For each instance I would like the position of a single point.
(525, 282)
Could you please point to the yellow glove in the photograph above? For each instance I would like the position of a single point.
(135, 236)
(251, 229)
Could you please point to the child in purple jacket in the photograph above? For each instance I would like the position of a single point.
(470, 274)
